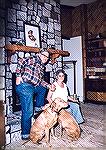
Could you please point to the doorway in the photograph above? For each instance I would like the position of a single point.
(74, 46)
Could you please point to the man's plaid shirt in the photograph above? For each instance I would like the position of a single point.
(32, 70)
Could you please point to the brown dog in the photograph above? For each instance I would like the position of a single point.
(46, 120)
(70, 125)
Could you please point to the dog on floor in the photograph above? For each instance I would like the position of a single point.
(45, 121)
(70, 125)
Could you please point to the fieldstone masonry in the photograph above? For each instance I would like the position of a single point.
(13, 15)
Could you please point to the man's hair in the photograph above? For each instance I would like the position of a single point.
(44, 52)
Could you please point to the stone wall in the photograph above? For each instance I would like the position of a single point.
(2, 72)
(13, 16)
(43, 13)
(2, 91)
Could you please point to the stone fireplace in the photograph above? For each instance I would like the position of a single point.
(45, 14)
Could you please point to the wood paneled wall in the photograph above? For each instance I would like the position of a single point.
(84, 18)
(66, 21)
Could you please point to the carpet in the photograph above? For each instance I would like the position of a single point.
(93, 135)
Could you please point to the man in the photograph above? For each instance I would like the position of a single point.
(30, 80)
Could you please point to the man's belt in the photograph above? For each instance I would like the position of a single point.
(28, 81)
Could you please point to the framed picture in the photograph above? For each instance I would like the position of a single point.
(32, 35)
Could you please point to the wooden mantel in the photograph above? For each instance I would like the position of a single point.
(54, 53)
(15, 47)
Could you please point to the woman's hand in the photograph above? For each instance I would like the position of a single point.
(75, 100)
(72, 99)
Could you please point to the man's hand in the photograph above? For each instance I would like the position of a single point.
(18, 80)
(46, 106)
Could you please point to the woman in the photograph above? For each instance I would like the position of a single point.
(62, 92)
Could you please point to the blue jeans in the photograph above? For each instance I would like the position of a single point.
(40, 92)
(25, 92)
(74, 109)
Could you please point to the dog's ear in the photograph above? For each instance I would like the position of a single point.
(53, 105)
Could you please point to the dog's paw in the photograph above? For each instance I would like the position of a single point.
(49, 145)
(54, 137)
(46, 144)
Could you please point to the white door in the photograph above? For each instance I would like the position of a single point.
(74, 46)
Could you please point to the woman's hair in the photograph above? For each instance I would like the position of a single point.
(60, 71)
